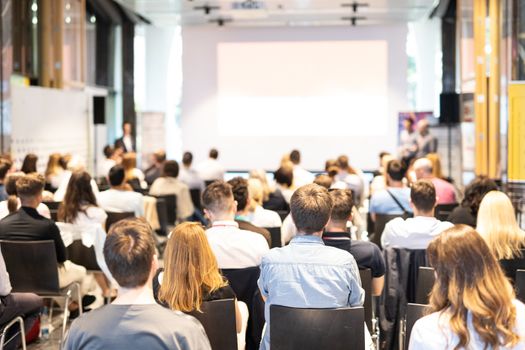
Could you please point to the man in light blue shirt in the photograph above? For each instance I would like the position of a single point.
(306, 273)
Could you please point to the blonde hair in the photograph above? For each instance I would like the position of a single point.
(497, 225)
(436, 165)
(260, 175)
(190, 269)
(255, 189)
(129, 163)
(53, 165)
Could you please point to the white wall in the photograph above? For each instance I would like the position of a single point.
(199, 100)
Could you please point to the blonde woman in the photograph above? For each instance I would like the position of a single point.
(134, 176)
(473, 304)
(258, 215)
(54, 170)
(497, 225)
(273, 199)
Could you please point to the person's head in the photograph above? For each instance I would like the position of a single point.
(79, 195)
(218, 201)
(260, 174)
(295, 157)
(255, 188)
(187, 159)
(471, 287)
(108, 151)
(240, 192)
(342, 205)
(29, 164)
(5, 166)
(64, 161)
(311, 206)
(159, 157)
(53, 164)
(116, 176)
(129, 252)
(29, 189)
(129, 161)
(323, 180)
(436, 165)
(344, 164)
(423, 197)
(190, 269)
(127, 129)
(395, 171)
(475, 191)
(170, 169)
(408, 124)
(423, 168)
(497, 225)
(422, 127)
(284, 176)
(331, 166)
(214, 154)
(10, 189)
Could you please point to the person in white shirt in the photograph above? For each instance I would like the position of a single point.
(10, 188)
(107, 163)
(417, 232)
(188, 175)
(234, 248)
(73, 164)
(120, 198)
(211, 169)
(472, 304)
(353, 177)
(301, 176)
(283, 182)
(169, 184)
(258, 215)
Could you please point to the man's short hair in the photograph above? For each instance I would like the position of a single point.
(311, 206)
(129, 250)
(116, 176)
(342, 205)
(395, 170)
(30, 185)
(187, 158)
(214, 154)
(170, 168)
(108, 151)
(284, 176)
(5, 165)
(423, 195)
(295, 157)
(160, 156)
(217, 196)
(240, 191)
(323, 180)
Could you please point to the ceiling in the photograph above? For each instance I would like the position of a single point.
(281, 12)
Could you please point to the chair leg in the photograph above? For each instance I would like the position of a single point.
(79, 298)
(66, 314)
(14, 321)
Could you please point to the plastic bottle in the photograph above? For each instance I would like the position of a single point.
(45, 323)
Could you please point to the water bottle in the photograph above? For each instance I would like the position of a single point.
(45, 323)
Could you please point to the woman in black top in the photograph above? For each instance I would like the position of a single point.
(467, 212)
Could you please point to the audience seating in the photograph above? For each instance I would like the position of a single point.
(414, 313)
(82, 255)
(443, 211)
(196, 198)
(32, 267)
(115, 217)
(379, 226)
(313, 329)
(520, 285)
(425, 282)
(21, 331)
(275, 233)
(171, 208)
(52, 205)
(510, 266)
(366, 283)
(283, 214)
(102, 183)
(218, 319)
(162, 214)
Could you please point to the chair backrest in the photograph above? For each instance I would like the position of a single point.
(414, 313)
(283, 214)
(218, 319)
(32, 266)
(520, 285)
(162, 214)
(425, 282)
(275, 233)
(52, 205)
(82, 255)
(195, 194)
(243, 282)
(379, 226)
(54, 214)
(171, 207)
(115, 217)
(443, 211)
(332, 329)
(510, 266)
(366, 283)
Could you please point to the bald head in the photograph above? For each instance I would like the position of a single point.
(423, 168)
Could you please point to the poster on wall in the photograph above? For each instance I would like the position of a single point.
(152, 135)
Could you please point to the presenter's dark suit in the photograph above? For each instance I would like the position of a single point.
(120, 143)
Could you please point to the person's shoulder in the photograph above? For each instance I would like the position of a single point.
(253, 236)
(365, 247)
(337, 255)
(443, 225)
(431, 326)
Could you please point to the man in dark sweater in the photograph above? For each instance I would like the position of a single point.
(367, 254)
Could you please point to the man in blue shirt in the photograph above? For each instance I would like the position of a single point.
(306, 273)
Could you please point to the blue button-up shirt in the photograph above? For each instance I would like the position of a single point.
(308, 274)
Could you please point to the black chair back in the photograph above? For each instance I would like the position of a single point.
(283, 214)
(510, 266)
(32, 266)
(162, 214)
(275, 233)
(82, 255)
(520, 285)
(115, 217)
(218, 319)
(313, 329)
(443, 211)
(171, 208)
(196, 198)
(414, 313)
(379, 226)
(425, 282)
(102, 183)
(366, 283)
(52, 205)
(54, 214)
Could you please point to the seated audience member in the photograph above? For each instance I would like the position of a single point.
(367, 254)
(71, 164)
(29, 164)
(436, 166)
(416, 232)
(395, 198)
(12, 204)
(120, 198)
(258, 215)
(134, 320)
(272, 198)
(306, 273)
(188, 175)
(54, 171)
(498, 227)
(26, 305)
(234, 248)
(5, 167)
(134, 176)
(242, 217)
(27, 224)
(301, 176)
(423, 141)
(379, 182)
(352, 177)
(108, 162)
(323, 180)
(332, 170)
(445, 191)
(473, 305)
(467, 212)
(211, 169)
(155, 170)
(169, 184)
(283, 182)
